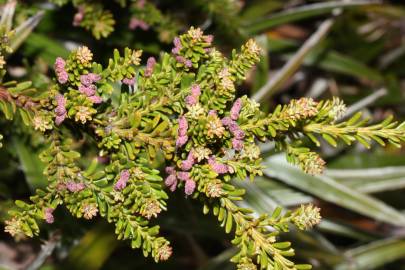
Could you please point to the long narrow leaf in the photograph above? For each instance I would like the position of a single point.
(303, 12)
(332, 191)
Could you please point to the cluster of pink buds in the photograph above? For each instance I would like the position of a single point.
(150, 64)
(192, 99)
(182, 60)
(88, 88)
(134, 23)
(129, 81)
(189, 186)
(60, 110)
(171, 179)
(60, 70)
(173, 176)
(219, 168)
(182, 132)
(189, 162)
(232, 125)
(79, 16)
(75, 187)
(122, 181)
(177, 45)
(48, 215)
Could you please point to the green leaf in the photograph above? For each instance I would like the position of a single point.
(300, 13)
(30, 164)
(332, 191)
(373, 255)
(93, 249)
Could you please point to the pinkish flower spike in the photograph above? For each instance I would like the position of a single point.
(183, 126)
(60, 100)
(96, 99)
(189, 187)
(122, 181)
(89, 90)
(239, 134)
(235, 110)
(237, 144)
(94, 77)
(59, 63)
(188, 163)
(171, 182)
(195, 90)
(217, 167)
(177, 42)
(86, 80)
(170, 170)
(150, 64)
(129, 81)
(191, 100)
(182, 140)
(183, 176)
(59, 119)
(226, 121)
(49, 216)
(74, 187)
(188, 63)
(180, 59)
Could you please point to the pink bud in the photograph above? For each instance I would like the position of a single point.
(183, 176)
(96, 99)
(129, 81)
(171, 182)
(150, 64)
(60, 100)
(237, 144)
(49, 216)
(180, 59)
(122, 181)
(235, 110)
(177, 42)
(239, 134)
(188, 163)
(170, 170)
(191, 100)
(188, 63)
(59, 119)
(88, 90)
(182, 140)
(183, 126)
(195, 90)
(94, 77)
(226, 121)
(217, 167)
(189, 187)
(209, 38)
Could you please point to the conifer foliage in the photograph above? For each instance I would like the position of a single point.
(182, 108)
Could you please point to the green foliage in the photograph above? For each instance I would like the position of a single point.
(182, 108)
(107, 141)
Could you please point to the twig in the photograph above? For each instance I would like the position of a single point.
(46, 250)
